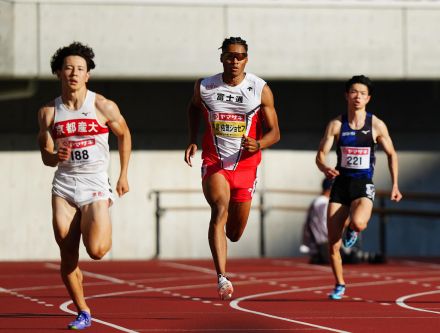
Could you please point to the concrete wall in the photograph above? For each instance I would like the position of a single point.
(180, 39)
(25, 217)
(6, 37)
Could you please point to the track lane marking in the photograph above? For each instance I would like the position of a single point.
(401, 301)
(234, 303)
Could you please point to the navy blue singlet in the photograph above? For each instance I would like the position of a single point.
(356, 150)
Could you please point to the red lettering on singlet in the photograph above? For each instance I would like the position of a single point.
(229, 116)
(77, 127)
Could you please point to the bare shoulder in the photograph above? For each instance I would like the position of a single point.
(196, 99)
(267, 95)
(334, 125)
(46, 113)
(376, 121)
(379, 125)
(105, 105)
(107, 109)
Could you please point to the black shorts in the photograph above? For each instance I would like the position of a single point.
(347, 189)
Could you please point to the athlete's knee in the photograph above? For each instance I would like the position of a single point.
(219, 213)
(358, 225)
(234, 235)
(97, 252)
(69, 261)
(334, 248)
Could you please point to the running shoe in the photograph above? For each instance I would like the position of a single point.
(224, 287)
(82, 321)
(350, 238)
(338, 292)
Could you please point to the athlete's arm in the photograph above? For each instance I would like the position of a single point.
(380, 130)
(45, 140)
(272, 133)
(114, 119)
(193, 112)
(325, 145)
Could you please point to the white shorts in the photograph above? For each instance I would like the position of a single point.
(82, 189)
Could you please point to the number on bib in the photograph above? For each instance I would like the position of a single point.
(78, 155)
(355, 157)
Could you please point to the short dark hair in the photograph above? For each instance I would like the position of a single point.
(360, 79)
(233, 40)
(76, 49)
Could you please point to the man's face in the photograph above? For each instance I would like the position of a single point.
(358, 96)
(234, 59)
(74, 73)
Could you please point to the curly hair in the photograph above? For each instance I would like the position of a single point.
(75, 49)
(233, 40)
(362, 79)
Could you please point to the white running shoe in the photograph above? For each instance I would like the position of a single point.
(224, 287)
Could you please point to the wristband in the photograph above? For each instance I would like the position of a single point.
(258, 145)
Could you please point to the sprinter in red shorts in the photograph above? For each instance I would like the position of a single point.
(234, 105)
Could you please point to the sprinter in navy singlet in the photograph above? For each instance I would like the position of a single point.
(351, 200)
(356, 149)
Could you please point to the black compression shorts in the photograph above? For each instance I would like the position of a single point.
(347, 189)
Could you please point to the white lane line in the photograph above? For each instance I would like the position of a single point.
(401, 301)
(234, 303)
(97, 276)
(65, 307)
(14, 293)
(191, 268)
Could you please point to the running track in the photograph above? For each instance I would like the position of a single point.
(272, 295)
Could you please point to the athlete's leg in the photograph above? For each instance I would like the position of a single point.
(217, 193)
(360, 213)
(337, 217)
(96, 228)
(238, 215)
(66, 225)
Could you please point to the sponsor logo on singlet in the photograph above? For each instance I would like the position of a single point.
(355, 157)
(81, 143)
(77, 127)
(229, 124)
(230, 98)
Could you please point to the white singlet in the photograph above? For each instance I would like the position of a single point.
(82, 179)
(230, 113)
(88, 139)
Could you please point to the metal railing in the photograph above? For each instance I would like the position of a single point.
(381, 208)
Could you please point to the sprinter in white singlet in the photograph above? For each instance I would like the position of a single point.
(73, 136)
(234, 106)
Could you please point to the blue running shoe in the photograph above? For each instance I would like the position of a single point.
(338, 292)
(82, 321)
(350, 238)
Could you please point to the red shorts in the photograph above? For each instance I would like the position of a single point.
(242, 183)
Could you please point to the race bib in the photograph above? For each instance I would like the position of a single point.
(229, 124)
(80, 150)
(355, 157)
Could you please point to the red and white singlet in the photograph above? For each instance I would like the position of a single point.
(88, 139)
(230, 112)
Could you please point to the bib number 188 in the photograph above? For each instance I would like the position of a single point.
(78, 155)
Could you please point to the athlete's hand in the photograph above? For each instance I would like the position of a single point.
(331, 173)
(250, 144)
(189, 153)
(63, 153)
(395, 194)
(122, 186)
